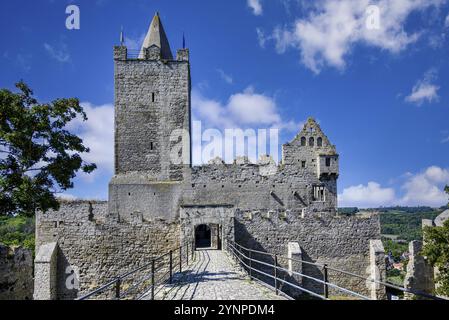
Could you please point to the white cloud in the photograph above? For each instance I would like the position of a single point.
(253, 108)
(98, 135)
(66, 196)
(424, 90)
(425, 188)
(327, 35)
(371, 195)
(261, 37)
(227, 78)
(446, 22)
(256, 6)
(243, 109)
(60, 54)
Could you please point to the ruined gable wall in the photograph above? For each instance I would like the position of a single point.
(244, 187)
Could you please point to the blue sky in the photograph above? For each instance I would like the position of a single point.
(381, 94)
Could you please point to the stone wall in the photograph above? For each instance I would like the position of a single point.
(220, 218)
(339, 242)
(96, 247)
(16, 273)
(419, 275)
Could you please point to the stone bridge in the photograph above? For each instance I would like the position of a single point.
(213, 275)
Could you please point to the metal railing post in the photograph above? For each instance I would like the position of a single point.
(250, 265)
(325, 278)
(171, 266)
(117, 288)
(152, 279)
(276, 273)
(180, 259)
(241, 258)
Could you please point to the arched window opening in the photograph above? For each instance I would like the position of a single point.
(303, 141)
(311, 141)
(319, 142)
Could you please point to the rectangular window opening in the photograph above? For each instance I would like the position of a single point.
(319, 194)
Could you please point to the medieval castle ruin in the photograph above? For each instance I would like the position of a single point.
(155, 205)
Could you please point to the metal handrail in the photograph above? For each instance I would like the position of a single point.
(149, 276)
(325, 267)
(271, 276)
(279, 256)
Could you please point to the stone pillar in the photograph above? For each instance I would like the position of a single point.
(182, 55)
(294, 252)
(45, 269)
(419, 275)
(120, 53)
(377, 269)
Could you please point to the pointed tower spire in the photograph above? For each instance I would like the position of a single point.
(156, 37)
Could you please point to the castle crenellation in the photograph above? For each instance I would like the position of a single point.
(155, 204)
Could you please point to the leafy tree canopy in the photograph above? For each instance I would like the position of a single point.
(39, 157)
(436, 249)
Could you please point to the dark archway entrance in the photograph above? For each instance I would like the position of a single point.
(203, 237)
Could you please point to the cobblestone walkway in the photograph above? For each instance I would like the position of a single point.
(214, 276)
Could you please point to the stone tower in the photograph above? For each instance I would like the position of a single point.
(152, 108)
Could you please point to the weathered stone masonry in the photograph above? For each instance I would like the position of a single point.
(155, 203)
(16, 271)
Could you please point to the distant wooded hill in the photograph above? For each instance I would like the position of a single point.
(404, 223)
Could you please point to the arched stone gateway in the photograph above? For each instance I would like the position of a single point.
(207, 226)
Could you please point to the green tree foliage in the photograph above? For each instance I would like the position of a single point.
(348, 211)
(395, 248)
(17, 231)
(436, 249)
(38, 156)
(407, 225)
